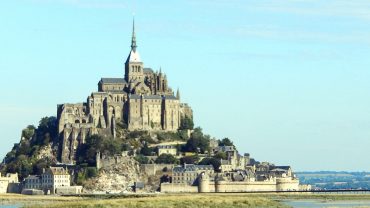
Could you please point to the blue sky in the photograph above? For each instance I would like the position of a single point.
(287, 81)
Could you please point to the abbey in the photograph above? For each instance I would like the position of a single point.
(142, 100)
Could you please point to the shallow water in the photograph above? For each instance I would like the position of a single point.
(9, 206)
(327, 204)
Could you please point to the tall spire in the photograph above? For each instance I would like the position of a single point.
(133, 41)
(178, 94)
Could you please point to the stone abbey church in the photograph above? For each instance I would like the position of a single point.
(142, 100)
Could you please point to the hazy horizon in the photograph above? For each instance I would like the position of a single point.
(288, 81)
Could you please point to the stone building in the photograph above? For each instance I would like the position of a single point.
(236, 174)
(188, 174)
(167, 149)
(55, 177)
(53, 180)
(142, 100)
(9, 183)
(32, 182)
(234, 161)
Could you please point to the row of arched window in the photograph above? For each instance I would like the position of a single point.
(136, 69)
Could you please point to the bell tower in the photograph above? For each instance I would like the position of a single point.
(134, 67)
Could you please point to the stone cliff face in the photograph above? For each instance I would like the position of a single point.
(116, 177)
(47, 152)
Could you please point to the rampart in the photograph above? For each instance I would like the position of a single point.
(152, 169)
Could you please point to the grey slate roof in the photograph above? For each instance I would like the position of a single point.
(117, 91)
(170, 97)
(33, 177)
(225, 162)
(166, 147)
(280, 167)
(191, 167)
(148, 70)
(139, 185)
(278, 170)
(152, 97)
(167, 97)
(225, 148)
(134, 96)
(113, 81)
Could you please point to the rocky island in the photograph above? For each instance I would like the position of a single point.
(133, 135)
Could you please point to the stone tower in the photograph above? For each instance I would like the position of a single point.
(134, 67)
(203, 186)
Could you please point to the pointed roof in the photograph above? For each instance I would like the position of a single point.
(133, 40)
(134, 55)
(178, 94)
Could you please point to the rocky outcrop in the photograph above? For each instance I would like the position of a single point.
(116, 178)
(46, 152)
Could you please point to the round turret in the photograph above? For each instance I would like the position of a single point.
(220, 184)
(203, 186)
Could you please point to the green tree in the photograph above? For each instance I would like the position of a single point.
(225, 142)
(87, 152)
(197, 142)
(125, 147)
(111, 146)
(91, 172)
(28, 132)
(145, 150)
(24, 166)
(189, 159)
(142, 159)
(166, 159)
(183, 134)
(81, 178)
(186, 123)
(40, 165)
(46, 131)
(168, 136)
(211, 161)
(221, 155)
(24, 148)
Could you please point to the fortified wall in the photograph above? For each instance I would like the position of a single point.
(152, 169)
(206, 184)
(103, 161)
